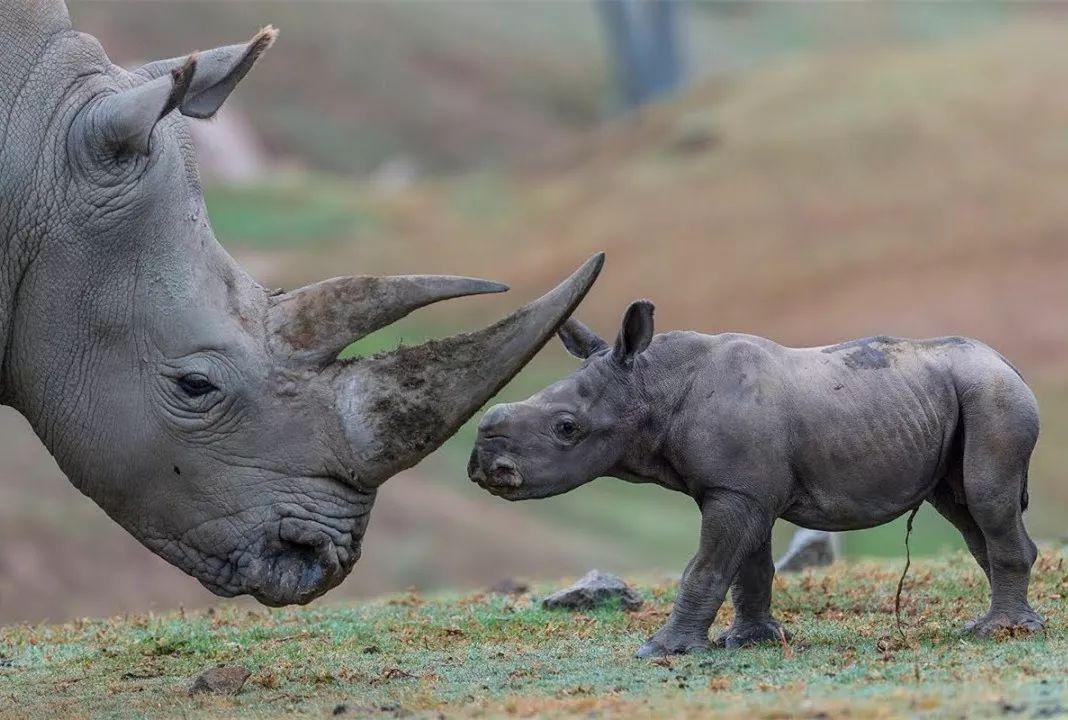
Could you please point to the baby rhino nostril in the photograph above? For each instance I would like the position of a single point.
(474, 470)
(505, 473)
(503, 463)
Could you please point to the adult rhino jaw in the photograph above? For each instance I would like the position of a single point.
(399, 406)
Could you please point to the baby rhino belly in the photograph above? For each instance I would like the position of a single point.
(867, 453)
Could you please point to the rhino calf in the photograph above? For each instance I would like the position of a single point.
(842, 437)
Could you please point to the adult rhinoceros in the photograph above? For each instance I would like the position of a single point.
(207, 416)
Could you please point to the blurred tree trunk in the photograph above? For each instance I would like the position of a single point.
(646, 46)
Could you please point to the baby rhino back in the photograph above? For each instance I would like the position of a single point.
(873, 424)
(838, 437)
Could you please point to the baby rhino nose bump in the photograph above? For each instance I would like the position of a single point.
(495, 420)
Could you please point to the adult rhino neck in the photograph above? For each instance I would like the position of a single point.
(23, 22)
(27, 27)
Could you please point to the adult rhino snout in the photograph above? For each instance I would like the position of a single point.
(302, 564)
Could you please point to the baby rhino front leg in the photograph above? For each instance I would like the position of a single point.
(751, 595)
(733, 528)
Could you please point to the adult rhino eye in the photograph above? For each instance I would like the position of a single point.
(195, 385)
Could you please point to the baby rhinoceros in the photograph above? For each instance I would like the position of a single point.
(841, 437)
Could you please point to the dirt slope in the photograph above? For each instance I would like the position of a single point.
(918, 191)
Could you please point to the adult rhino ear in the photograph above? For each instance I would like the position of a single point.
(636, 333)
(196, 85)
(218, 73)
(579, 340)
(125, 120)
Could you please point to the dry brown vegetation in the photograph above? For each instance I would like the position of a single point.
(481, 655)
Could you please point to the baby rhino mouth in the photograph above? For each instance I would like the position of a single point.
(498, 474)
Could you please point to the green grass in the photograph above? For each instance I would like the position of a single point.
(483, 655)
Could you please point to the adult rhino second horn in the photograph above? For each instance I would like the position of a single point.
(314, 323)
(398, 407)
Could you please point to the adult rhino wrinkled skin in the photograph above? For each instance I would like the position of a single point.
(209, 417)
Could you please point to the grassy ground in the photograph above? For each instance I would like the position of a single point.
(486, 655)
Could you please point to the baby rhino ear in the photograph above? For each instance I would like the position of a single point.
(579, 340)
(636, 333)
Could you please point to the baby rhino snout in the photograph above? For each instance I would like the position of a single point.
(489, 466)
(493, 473)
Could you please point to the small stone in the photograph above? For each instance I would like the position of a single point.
(809, 548)
(594, 590)
(222, 680)
(509, 586)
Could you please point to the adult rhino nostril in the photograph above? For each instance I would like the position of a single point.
(303, 564)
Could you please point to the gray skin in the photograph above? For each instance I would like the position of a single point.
(207, 415)
(842, 437)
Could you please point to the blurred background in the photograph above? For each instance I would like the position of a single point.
(807, 172)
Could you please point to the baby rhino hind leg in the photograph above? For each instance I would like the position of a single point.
(1001, 428)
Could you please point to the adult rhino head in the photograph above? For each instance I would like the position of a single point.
(209, 417)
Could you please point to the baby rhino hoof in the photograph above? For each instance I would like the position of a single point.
(1012, 623)
(748, 634)
(662, 647)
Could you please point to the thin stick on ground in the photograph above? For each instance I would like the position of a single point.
(786, 649)
(901, 580)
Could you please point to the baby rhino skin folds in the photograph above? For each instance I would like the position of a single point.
(832, 438)
(208, 417)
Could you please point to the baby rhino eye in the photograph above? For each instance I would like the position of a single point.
(195, 385)
(565, 428)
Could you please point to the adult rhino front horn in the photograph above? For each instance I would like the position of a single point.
(210, 418)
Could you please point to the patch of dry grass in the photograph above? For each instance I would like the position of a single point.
(488, 656)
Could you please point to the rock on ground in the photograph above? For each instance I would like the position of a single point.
(222, 680)
(594, 590)
(809, 548)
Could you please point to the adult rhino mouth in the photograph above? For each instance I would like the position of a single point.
(299, 552)
(304, 563)
(301, 564)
